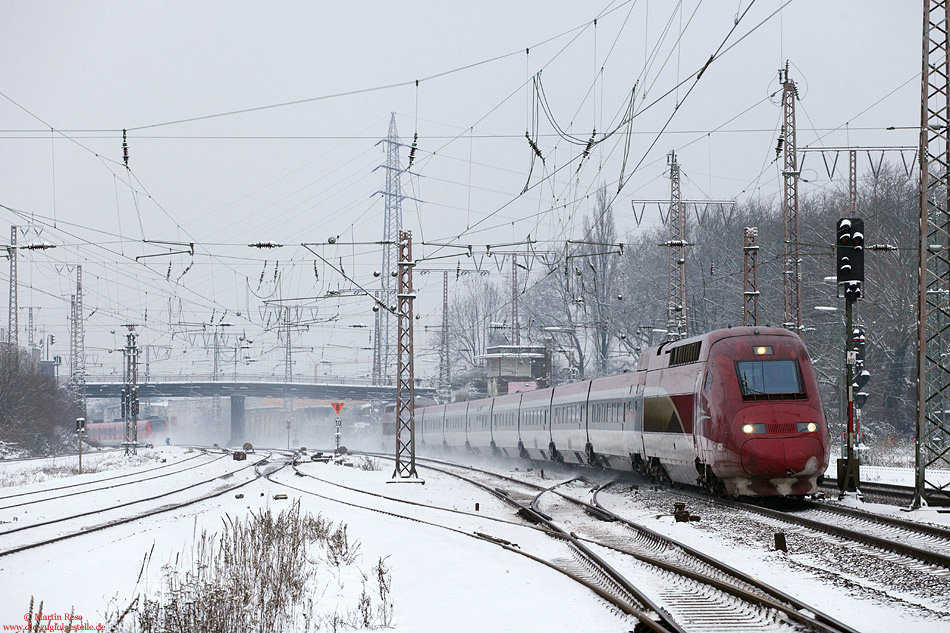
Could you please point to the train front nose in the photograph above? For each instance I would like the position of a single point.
(772, 457)
(781, 441)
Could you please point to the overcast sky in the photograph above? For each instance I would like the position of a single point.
(171, 72)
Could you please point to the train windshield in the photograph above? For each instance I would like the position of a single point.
(770, 378)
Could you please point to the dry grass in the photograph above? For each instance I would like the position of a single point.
(368, 463)
(266, 574)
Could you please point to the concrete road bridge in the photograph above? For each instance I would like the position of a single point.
(181, 386)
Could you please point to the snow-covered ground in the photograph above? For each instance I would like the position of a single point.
(442, 578)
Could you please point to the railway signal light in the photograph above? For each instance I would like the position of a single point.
(861, 375)
(860, 398)
(849, 256)
(860, 339)
(861, 379)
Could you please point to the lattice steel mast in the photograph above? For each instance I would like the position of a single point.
(130, 393)
(12, 332)
(933, 323)
(79, 352)
(445, 378)
(405, 368)
(677, 319)
(515, 326)
(385, 339)
(792, 271)
(288, 348)
(853, 181)
(750, 281)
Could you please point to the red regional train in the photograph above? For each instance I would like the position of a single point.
(151, 430)
(736, 411)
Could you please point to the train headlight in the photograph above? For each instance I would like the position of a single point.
(762, 350)
(807, 427)
(748, 429)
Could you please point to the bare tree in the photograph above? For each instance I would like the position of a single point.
(35, 413)
(476, 303)
(595, 265)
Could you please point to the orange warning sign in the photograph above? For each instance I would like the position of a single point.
(337, 406)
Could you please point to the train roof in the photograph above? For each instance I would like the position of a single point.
(695, 348)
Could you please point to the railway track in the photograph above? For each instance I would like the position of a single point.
(564, 561)
(15, 460)
(921, 542)
(33, 540)
(871, 492)
(663, 583)
(89, 486)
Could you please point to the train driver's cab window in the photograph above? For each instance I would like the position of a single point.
(770, 378)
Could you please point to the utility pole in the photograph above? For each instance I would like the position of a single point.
(405, 369)
(80, 431)
(130, 393)
(288, 348)
(78, 347)
(791, 270)
(392, 226)
(677, 311)
(445, 377)
(215, 401)
(515, 329)
(377, 338)
(288, 368)
(12, 327)
(677, 320)
(932, 437)
(853, 181)
(750, 277)
(72, 338)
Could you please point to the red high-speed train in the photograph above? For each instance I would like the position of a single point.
(151, 430)
(736, 411)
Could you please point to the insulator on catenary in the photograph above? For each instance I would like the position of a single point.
(412, 150)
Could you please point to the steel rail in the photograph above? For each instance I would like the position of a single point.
(909, 551)
(912, 526)
(124, 520)
(109, 487)
(781, 601)
(128, 503)
(96, 481)
(622, 605)
(795, 609)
